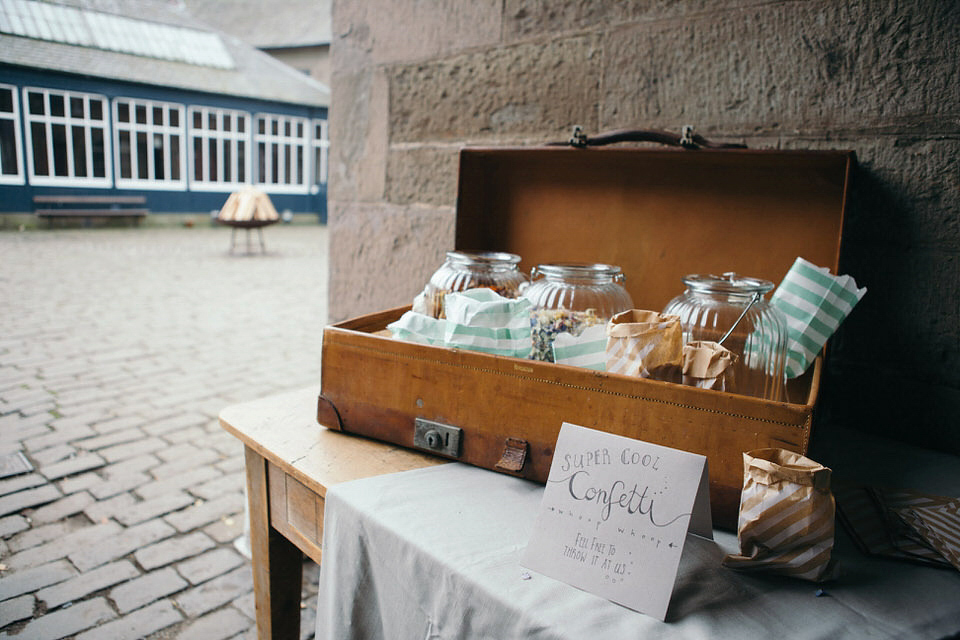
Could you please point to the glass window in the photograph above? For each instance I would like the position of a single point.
(149, 149)
(281, 155)
(66, 141)
(11, 154)
(218, 161)
(321, 149)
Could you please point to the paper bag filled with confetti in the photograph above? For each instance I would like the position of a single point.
(786, 520)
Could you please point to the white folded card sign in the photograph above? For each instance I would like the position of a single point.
(614, 517)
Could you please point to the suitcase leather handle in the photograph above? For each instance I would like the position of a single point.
(687, 139)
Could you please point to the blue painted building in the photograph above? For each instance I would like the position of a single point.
(150, 103)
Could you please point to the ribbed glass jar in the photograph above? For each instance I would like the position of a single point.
(732, 310)
(570, 297)
(464, 270)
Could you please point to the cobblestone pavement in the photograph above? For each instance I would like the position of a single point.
(118, 349)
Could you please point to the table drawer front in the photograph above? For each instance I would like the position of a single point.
(296, 511)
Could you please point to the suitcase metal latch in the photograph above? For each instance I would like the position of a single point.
(437, 437)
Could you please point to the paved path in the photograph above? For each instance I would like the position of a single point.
(118, 348)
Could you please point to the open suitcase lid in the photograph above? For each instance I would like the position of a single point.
(659, 214)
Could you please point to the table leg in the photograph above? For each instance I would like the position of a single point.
(277, 562)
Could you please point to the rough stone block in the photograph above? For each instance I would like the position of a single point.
(366, 33)
(67, 622)
(216, 592)
(358, 137)
(535, 89)
(14, 502)
(209, 565)
(206, 512)
(173, 549)
(16, 609)
(105, 509)
(132, 449)
(154, 585)
(120, 544)
(86, 583)
(21, 482)
(71, 466)
(785, 67)
(62, 508)
(426, 175)
(139, 624)
(161, 505)
(176, 483)
(29, 580)
(216, 626)
(384, 254)
(11, 525)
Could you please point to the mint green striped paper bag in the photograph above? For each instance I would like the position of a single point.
(483, 320)
(587, 350)
(815, 303)
(417, 327)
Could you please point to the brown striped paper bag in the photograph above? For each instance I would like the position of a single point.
(786, 518)
(644, 343)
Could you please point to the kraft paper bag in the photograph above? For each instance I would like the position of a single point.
(708, 365)
(786, 521)
(644, 343)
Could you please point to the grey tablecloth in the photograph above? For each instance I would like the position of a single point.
(433, 553)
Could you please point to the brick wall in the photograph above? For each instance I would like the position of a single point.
(413, 82)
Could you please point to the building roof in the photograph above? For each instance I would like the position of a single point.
(93, 38)
(268, 24)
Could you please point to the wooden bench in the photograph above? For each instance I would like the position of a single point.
(88, 207)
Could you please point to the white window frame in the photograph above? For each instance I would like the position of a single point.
(14, 117)
(231, 138)
(283, 143)
(68, 121)
(165, 130)
(321, 144)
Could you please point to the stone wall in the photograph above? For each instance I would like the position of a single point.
(413, 82)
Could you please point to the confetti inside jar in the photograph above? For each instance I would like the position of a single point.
(571, 297)
(464, 270)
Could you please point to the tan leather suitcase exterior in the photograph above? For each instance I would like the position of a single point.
(659, 214)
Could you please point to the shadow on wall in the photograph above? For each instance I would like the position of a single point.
(894, 365)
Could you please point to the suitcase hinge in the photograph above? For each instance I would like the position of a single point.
(514, 455)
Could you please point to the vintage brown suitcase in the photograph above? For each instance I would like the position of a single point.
(658, 213)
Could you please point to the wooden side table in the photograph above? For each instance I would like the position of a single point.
(290, 462)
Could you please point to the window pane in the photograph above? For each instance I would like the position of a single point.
(99, 152)
(76, 107)
(227, 122)
(274, 127)
(241, 124)
(56, 105)
(96, 109)
(123, 112)
(275, 163)
(287, 167)
(59, 133)
(317, 165)
(158, 115)
(143, 151)
(8, 148)
(286, 128)
(79, 151)
(158, 163)
(198, 159)
(35, 103)
(212, 122)
(38, 140)
(174, 117)
(299, 129)
(174, 157)
(241, 161)
(299, 165)
(6, 100)
(261, 126)
(227, 169)
(261, 162)
(214, 173)
(125, 155)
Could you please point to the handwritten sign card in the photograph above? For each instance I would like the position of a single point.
(615, 514)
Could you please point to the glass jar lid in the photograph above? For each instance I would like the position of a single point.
(578, 270)
(483, 258)
(729, 283)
